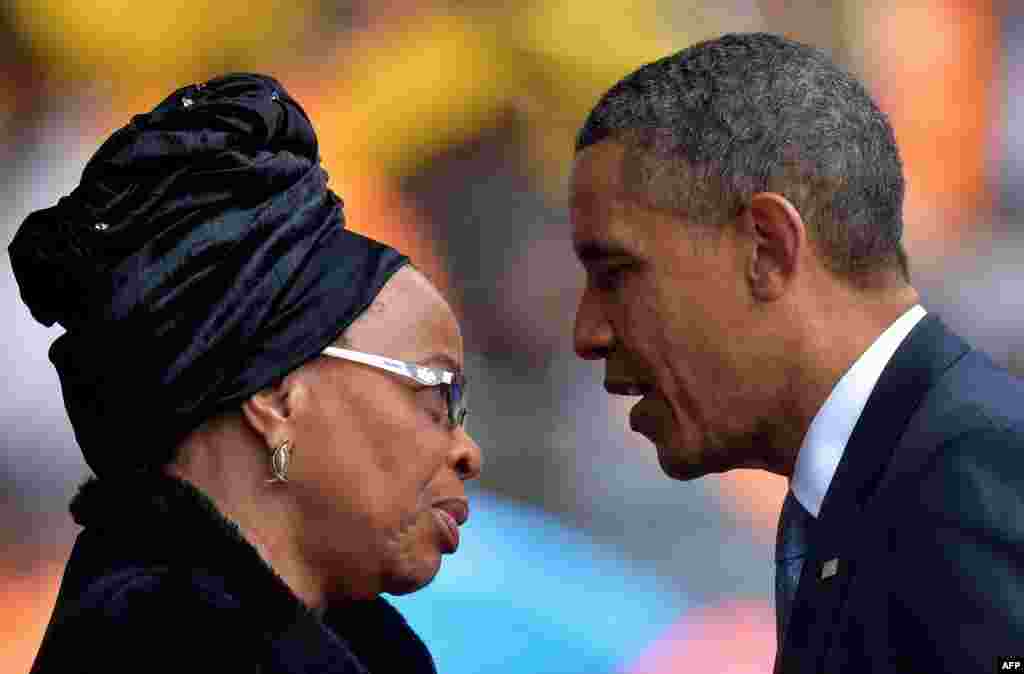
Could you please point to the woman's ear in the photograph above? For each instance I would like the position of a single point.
(779, 237)
(267, 411)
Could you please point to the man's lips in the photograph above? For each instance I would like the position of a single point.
(627, 387)
(639, 415)
(642, 416)
(450, 514)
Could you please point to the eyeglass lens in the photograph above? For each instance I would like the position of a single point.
(456, 399)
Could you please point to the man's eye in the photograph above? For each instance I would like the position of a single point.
(609, 278)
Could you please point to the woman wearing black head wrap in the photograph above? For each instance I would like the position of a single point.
(273, 406)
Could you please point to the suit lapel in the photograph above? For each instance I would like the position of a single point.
(927, 351)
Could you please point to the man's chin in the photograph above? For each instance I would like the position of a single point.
(679, 466)
(676, 460)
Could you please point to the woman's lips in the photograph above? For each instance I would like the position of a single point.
(450, 514)
(449, 531)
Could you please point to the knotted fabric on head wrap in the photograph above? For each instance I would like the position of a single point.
(201, 258)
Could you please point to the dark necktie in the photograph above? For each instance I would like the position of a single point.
(790, 550)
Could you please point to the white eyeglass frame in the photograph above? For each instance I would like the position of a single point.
(427, 376)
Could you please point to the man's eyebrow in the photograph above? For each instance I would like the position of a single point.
(595, 251)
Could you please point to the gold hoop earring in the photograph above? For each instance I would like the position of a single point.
(279, 460)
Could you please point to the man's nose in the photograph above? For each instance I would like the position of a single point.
(592, 334)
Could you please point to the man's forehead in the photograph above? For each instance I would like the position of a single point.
(620, 230)
(604, 218)
(595, 185)
(597, 174)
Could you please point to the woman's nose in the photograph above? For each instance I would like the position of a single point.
(467, 457)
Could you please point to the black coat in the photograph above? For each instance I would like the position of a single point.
(916, 562)
(159, 581)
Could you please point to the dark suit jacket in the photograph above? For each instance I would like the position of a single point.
(925, 516)
(159, 581)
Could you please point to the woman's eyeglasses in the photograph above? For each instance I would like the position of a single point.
(452, 384)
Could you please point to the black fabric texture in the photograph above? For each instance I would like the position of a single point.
(920, 524)
(201, 257)
(160, 580)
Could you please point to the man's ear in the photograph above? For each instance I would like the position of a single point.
(267, 411)
(779, 239)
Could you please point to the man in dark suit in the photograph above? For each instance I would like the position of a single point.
(737, 207)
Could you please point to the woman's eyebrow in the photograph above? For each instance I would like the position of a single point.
(444, 360)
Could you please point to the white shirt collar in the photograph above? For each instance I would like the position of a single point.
(830, 430)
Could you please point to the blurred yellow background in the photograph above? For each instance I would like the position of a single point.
(448, 128)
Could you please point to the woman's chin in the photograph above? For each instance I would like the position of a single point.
(413, 580)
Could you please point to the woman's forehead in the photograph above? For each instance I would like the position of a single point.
(409, 316)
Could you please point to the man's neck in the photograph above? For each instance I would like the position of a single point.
(834, 339)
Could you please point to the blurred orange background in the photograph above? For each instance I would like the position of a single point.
(448, 128)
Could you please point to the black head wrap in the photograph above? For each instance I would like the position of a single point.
(201, 258)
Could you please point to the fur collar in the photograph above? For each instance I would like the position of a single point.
(165, 521)
(158, 520)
